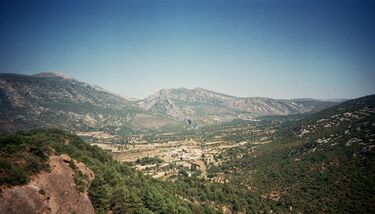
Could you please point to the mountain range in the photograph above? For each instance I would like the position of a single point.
(323, 163)
(208, 107)
(54, 100)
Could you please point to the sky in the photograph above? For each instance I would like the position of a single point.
(279, 49)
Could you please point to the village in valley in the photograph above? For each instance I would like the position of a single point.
(175, 155)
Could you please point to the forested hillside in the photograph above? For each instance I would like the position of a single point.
(324, 164)
(116, 186)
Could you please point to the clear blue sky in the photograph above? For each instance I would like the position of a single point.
(279, 49)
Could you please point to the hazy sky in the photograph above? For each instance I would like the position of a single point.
(279, 49)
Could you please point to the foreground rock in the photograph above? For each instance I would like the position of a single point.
(49, 192)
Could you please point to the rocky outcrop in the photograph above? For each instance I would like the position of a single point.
(49, 192)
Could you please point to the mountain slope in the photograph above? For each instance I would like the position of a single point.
(208, 107)
(53, 100)
(323, 164)
(50, 167)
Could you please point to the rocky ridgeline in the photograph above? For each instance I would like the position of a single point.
(56, 101)
(208, 107)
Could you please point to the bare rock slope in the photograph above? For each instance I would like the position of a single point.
(49, 192)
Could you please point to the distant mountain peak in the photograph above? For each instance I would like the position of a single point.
(200, 89)
(59, 75)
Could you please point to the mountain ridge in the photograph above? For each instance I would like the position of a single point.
(54, 100)
(188, 103)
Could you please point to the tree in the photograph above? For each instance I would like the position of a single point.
(132, 203)
(99, 194)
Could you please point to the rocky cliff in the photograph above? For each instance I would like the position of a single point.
(50, 192)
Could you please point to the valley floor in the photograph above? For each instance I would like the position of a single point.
(188, 155)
